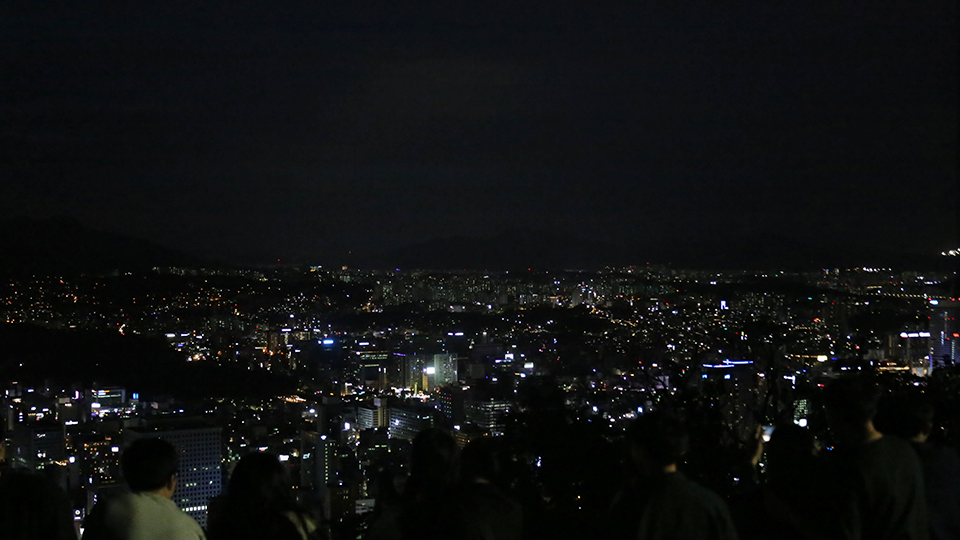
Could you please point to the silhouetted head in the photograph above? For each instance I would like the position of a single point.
(658, 440)
(851, 405)
(386, 485)
(480, 461)
(256, 502)
(910, 416)
(31, 507)
(790, 448)
(149, 465)
(434, 462)
(260, 478)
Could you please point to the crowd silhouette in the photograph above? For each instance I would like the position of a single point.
(881, 470)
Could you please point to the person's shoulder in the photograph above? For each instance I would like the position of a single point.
(13, 481)
(157, 506)
(302, 522)
(699, 504)
(701, 493)
(894, 443)
(478, 491)
(386, 524)
(183, 519)
(187, 527)
(141, 501)
(878, 452)
(711, 499)
(488, 496)
(14, 478)
(895, 448)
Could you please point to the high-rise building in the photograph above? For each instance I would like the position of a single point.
(342, 501)
(34, 445)
(370, 417)
(467, 433)
(945, 332)
(439, 370)
(318, 466)
(451, 399)
(372, 369)
(405, 370)
(421, 372)
(99, 459)
(487, 413)
(407, 422)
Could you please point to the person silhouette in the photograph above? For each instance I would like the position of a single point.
(911, 417)
(482, 498)
(431, 490)
(879, 477)
(666, 504)
(31, 507)
(259, 503)
(146, 512)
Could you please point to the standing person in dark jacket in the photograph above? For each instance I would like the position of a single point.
(481, 498)
(912, 419)
(260, 504)
(666, 505)
(880, 480)
(31, 507)
(797, 495)
(430, 508)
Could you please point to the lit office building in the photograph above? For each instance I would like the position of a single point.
(487, 414)
(439, 370)
(406, 423)
(318, 466)
(944, 331)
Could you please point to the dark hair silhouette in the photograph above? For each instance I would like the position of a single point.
(433, 464)
(791, 449)
(257, 501)
(661, 436)
(148, 464)
(909, 415)
(261, 479)
(789, 439)
(430, 490)
(853, 400)
(31, 507)
(480, 459)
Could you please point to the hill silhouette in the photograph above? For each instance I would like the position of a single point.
(546, 250)
(34, 354)
(63, 245)
(509, 249)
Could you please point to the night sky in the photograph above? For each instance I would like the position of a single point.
(295, 130)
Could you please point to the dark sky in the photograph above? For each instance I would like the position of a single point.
(294, 129)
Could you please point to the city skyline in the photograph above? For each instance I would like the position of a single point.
(338, 371)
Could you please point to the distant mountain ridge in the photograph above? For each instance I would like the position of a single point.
(508, 249)
(64, 245)
(546, 250)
